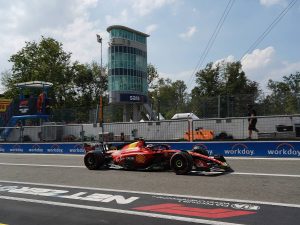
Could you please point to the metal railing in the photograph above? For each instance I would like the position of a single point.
(234, 128)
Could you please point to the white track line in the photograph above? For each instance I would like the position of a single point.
(128, 212)
(155, 194)
(261, 158)
(266, 174)
(41, 165)
(82, 155)
(43, 154)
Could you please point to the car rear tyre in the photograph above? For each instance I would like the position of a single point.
(94, 161)
(181, 163)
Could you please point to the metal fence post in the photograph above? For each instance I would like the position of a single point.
(189, 131)
(21, 133)
(82, 134)
(244, 128)
(192, 129)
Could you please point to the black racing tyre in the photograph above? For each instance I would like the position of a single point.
(93, 160)
(181, 163)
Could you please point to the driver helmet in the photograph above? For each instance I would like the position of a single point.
(142, 140)
(198, 147)
(150, 146)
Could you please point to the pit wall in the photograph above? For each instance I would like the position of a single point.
(269, 149)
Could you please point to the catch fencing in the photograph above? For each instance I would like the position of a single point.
(233, 128)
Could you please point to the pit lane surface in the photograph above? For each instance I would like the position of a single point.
(259, 192)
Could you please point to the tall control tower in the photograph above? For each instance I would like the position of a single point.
(127, 72)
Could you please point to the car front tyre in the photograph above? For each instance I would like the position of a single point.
(181, 163)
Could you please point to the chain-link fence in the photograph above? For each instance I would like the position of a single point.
(236, 128)
(223, 106)
(231, 128)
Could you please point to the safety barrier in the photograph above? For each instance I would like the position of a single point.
(276, 149)
(284, 127)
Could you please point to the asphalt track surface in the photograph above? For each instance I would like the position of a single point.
(58, 189)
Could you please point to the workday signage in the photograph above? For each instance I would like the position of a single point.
(44, 148)
(251, 148)
(277, 149)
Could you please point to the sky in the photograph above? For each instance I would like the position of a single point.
(179, 32)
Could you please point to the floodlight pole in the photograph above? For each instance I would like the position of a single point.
(100, 112)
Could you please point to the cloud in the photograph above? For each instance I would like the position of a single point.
(228, 59)
(276, 71)
(186, 76)
(67, 21)
(145, 7)
(79, 37)
(151, 28)
(30, 17)
(258, 58)
(263, 64)
(284, 69)
(122, 19)
(272, 2)
(260, 65)
(189, 33)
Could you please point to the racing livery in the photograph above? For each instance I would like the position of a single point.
(137, 156)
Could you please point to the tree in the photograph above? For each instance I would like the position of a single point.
(74, 84)
(89, 84)
(284, 96)
(222, 88)
(45, 61)
(171, 96)
(152, 76)
(208, 81)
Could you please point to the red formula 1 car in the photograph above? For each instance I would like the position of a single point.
(153, 157)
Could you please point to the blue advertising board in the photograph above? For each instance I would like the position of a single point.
(277, 149)
(246, 149)
(43, 148)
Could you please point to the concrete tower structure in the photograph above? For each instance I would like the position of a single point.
(127, 71)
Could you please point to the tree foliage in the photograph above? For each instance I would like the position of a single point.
(170, 97)
(153, 76)
(221, 90)
(284, 97)
(74, 84)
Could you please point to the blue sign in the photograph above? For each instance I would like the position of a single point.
(44, 148)
(132, 98)
(279, 149)
(276, 149)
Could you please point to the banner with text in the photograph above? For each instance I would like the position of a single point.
(245, 149)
